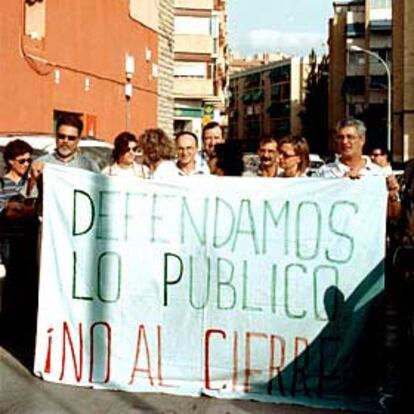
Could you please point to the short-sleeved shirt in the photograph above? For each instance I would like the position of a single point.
(78, 161)
(9, 189)
(338, 169)
(135, 170)
(168, 169)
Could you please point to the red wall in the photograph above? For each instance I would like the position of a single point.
(84, 39)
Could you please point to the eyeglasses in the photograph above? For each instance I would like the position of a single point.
(68, 137)
(349, 137)
(23, 161)
(284, 155)
(376, 155)
(133, 149)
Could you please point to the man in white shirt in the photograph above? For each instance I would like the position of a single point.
(350, 140)
(186, 144)
(212, 135)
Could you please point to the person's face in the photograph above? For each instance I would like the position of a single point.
(379, 158)
(288, 159)
(67, 139)
(212, 137)
(349, 142)
(20, 165)
(186, 150)
(268, 154)
(128, 157)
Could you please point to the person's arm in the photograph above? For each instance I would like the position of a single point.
(394, 200)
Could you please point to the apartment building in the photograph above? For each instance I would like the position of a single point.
(403, 80)
(358, 80)
(266, 100)
(95, 58)
(200, 67)
(240, 63)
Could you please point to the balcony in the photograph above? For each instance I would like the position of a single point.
(193, 44)
(193, 88)
(194, 4)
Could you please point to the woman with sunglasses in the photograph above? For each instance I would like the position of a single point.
(293, 156)
(124, 154)
(14, 184)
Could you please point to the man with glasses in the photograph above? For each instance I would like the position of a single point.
(68, 132)
(350, 140)
(186, 144)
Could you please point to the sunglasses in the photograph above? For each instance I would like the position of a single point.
(133, 149)
(68, 137)
(23, 161)
(286, 156)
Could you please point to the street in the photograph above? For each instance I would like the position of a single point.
(21, 392)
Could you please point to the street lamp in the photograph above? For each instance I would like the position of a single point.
(356, 48)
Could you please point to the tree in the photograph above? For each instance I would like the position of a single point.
(314, 116)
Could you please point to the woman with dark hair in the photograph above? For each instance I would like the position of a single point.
(293, 156)
(229, 159)
(124, 154)
(15, 183)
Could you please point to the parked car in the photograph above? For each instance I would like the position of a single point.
(96, 149)
(316, 162)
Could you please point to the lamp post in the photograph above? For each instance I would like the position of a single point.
(356, 48)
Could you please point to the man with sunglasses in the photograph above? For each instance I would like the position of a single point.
(68, 132)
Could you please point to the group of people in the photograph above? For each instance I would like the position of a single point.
(153, 155)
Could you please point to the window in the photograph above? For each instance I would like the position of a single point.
(35, 19)
(192, 25)
(381, 4)
(190, 69)
(355, 29)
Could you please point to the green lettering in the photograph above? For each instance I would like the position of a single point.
(339, 253)
(104, 276)
(309, 218)
(225, 284)
(250, 230)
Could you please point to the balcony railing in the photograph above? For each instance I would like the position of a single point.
(192, 87)
(193, 44)
(194, 4)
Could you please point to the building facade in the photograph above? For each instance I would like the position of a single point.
(166, 66)
(358, 81)
(98, 59)
(403, 80)
(267, 100)
(239, 63)
(200, 63)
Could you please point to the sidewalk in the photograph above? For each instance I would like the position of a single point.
(21, 392)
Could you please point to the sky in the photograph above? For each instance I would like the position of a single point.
(290, 26)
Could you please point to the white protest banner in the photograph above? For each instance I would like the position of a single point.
(232, 287)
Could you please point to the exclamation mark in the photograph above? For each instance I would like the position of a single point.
(49, 352)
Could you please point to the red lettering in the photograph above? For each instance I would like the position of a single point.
(78, 365)
(273, 368)
(135, 369)
(107, 328)
(159, 348)
(235, 359)
(207, 335)
(48, 363)
(249, 371)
